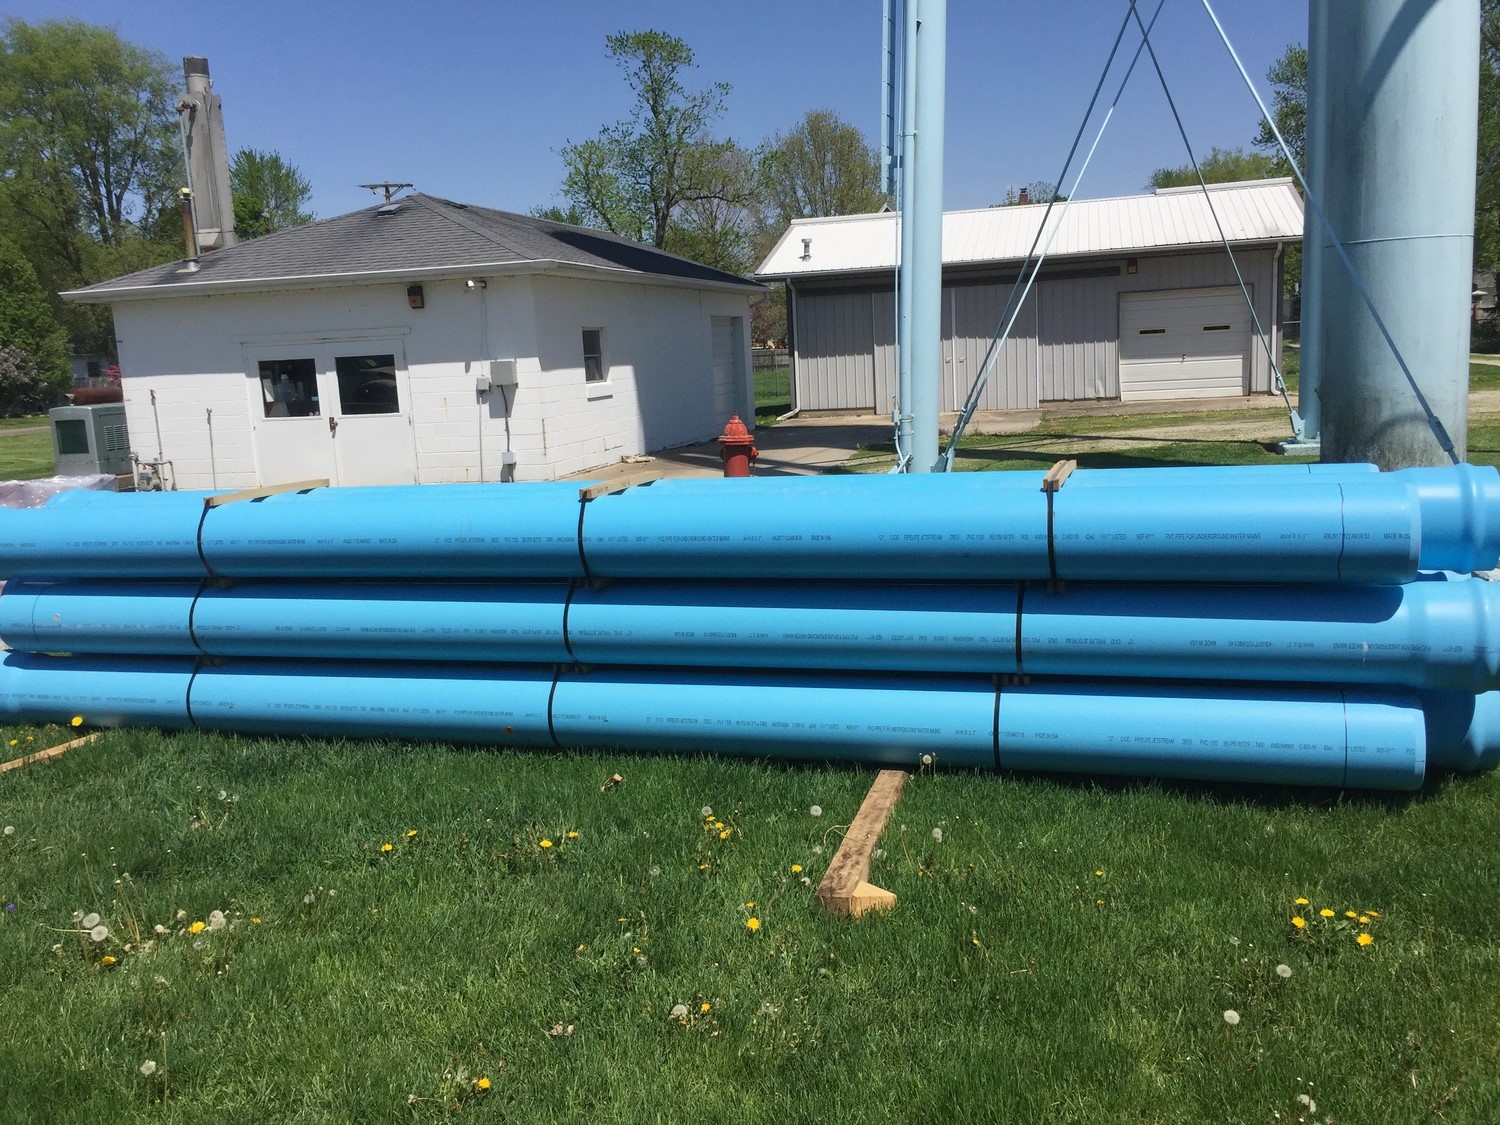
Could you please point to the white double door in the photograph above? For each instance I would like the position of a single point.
(338, 411)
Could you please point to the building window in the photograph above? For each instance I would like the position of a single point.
(367, 384)
(593, 355)
(289, 388)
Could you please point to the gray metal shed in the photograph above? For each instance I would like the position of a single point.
(1137, 299)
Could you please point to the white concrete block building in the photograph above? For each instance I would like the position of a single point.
(425, 341)
(1136, 300)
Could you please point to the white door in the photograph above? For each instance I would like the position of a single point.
(339, 412)
(727, 377)
(1187, 343)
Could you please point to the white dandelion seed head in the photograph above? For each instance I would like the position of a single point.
(937, 834)
(1307, 1103)
(806, 882)
(77, 917)
(333, 894)
(927, 759)
(816, 810)
(1283, 971)
(680, 1011)
(99, 933)
(307, 899)
(198, 944)
(878, 853)
(817, 849)
(159, 928)
(148, 1068)
(216, 920)
(1234, 941)
(1231, 1017)
(10, 829)
(182, 915)
(655, 871)
(223, 796)
(90, 920)
(706, 811)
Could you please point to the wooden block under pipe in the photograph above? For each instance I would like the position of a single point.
(845, 888)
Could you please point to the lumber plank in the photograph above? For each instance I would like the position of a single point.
(1058, 475)
(270, 490)
(846, 888)
(606, 487)
(50, 753)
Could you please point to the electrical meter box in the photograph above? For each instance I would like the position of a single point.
(90, 439)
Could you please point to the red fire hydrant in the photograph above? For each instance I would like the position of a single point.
(737, 448)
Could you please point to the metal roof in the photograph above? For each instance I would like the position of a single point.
(1256, 211)
(416, 237)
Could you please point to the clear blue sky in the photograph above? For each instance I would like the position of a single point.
(473, 100)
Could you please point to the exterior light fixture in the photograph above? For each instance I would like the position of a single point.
(414, 297)
(1130, 265)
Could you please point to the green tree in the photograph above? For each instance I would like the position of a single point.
(823, 166)
(1220, 166)
(1487, 181)
(269, 194)
(1038, 191)
(1288, 78)
(82, 107)
(717, 226)
(27, 325)
(636, 175)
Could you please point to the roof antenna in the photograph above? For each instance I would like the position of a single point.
(387, 187)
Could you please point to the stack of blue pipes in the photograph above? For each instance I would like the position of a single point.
(1311, 625)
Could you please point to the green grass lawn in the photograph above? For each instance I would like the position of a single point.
(1068, 951)
(773, 395)
(25, 456)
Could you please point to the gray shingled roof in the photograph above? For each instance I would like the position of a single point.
(420, 235)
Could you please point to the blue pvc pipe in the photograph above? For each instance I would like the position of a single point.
(1431, 634)
(1314, 527)
(1280, 737)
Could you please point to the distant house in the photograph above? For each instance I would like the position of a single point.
(425, 341)
(1137, 299)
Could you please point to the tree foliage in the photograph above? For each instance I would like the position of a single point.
(1038, 191)
(823, 166)
(636, 175)
(269, 194)
(1220, 166)
(1288, 78)
(1487, 166)
(27, 325)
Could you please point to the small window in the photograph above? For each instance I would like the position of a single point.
(367, 384)
(289, 388)
(72, 436)
(1216, 328)
(593, 355)
(1153, 331)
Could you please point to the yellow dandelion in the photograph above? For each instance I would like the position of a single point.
(619, 919)
(749, 906)
(718, 824)
(1099, 872)
(1373, 913)
(76, 721)
(1325, 913)
(573, 834)
(482, 1084)
(703, 867)
(388, 847)
(106, 960)
(1363, 920)
(1351, 914)
(545, 844)
(796, 869)
(1301, 901)
(705, 1006)
(724, 835)
(1299, 922)
(635, 949)
(1365, 939)
(410, 833)
(254, 921)
(752, 924)
(196, 928)
(14, 741)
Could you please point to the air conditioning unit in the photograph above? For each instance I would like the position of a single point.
(90, 439)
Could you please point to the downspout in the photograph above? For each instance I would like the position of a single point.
(791, 352)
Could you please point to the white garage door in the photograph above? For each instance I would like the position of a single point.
(1187, 343)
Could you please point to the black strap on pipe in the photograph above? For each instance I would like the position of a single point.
(1020, 602)
(1051, 543)
(203, 584)
(995, 729)
(583, 558)
(1343, 537)
(567, 609)
(187, 698)
(201, 556)
(551, 695)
